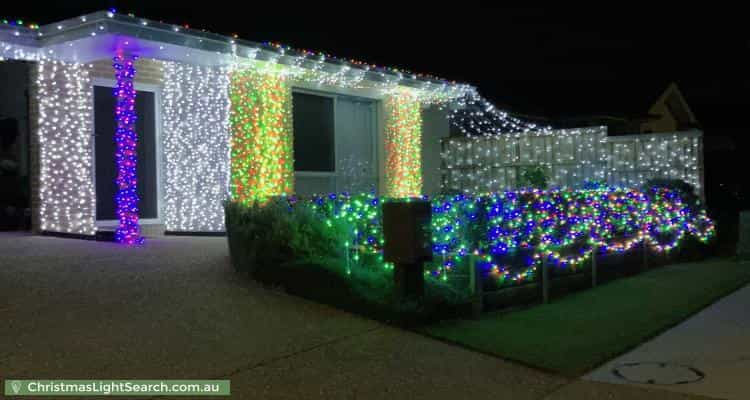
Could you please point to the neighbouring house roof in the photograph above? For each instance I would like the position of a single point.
(97, 35)
(618, 103)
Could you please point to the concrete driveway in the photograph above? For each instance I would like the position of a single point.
(174, 309)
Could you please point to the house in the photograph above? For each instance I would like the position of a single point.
(130, 126)
(669, 113)
(645, 108)
(141, 126)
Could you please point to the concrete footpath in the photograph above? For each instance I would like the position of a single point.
(708, 354)
(175, 309)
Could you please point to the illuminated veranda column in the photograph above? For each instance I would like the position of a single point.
(262, 163)
(403, 145)
(126, 158)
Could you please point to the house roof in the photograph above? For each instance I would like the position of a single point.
(96, 35)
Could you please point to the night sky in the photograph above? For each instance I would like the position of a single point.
(551, 62)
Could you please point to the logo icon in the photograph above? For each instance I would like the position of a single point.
(16, 386)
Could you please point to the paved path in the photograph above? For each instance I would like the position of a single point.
(715, 342)
(174, 309)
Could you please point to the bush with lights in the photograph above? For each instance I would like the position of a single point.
(509, 235)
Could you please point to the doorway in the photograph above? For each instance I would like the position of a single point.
(105, 169)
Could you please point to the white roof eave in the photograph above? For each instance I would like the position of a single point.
(98, 35)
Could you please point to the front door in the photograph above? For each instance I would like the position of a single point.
(104, 154)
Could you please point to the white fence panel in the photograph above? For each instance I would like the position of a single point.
(571, 156)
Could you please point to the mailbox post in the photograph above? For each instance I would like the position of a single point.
(408, 244)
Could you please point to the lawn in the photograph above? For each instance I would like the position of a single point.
(576, 333)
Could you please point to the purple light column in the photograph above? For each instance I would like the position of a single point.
(126, 139)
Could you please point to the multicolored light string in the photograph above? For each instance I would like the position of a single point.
(403, 146)
(512, 233)
(262, 149)
(126, 157)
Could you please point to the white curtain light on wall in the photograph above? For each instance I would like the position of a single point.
(634, 159)
(66, 189)
(493, 163)
(195, 147)
(571, 156)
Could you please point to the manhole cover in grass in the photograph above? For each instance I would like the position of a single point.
(655, 373)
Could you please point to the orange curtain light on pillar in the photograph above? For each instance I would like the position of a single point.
(403, 146)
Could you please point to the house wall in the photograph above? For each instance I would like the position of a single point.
(262, 159)
(61, 114)
(194, 106)
(61, 147)
(148, 71)
(196, 147)
(435, 127)
(403, 145)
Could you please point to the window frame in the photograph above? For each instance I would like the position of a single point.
(374, 129)
(334, 99)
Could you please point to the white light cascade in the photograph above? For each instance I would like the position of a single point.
(474, 116)
(196, 146)
(482, 164)
(66, 188)
(634, 159)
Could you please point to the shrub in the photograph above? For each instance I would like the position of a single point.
(533, 176)
(262, 237)
(685, 190)
(297, 247)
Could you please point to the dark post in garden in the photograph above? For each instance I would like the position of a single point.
(545, 280)
(408, 244)
(475, 287)
(594, 250)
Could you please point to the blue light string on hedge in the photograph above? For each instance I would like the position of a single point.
(126, 159)
(563, 226)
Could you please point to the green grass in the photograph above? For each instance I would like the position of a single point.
(576, 333)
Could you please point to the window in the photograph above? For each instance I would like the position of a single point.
(314, 147)
(334, 143)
